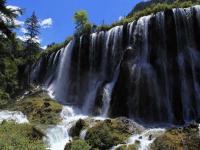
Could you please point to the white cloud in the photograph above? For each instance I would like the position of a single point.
(120, 18)
(24, 38)
(23, 30)
(46, 23)
(14, 8)
(44, 47)
(18, 22)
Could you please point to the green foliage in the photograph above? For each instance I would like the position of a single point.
(39, 108)
(32, 44)
(20, 137)
(77, 145)
(6, 26)
(82, 24)
(80, 18)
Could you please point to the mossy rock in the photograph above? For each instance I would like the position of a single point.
(77, 145)
(184, 138)
(108, 133)
(39, 108)
(20, 137)
(78, 127)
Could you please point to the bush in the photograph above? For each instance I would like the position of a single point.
(20, 137)
(4, 98)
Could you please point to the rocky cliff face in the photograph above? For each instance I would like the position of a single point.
(148, 70)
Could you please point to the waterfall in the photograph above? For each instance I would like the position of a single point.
(156, 80)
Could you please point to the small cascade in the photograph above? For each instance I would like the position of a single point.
(143, 140)
(58, 136)
(15, 116)
(83, 134)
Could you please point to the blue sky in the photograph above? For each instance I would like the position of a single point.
(56, 15)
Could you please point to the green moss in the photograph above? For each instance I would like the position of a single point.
(106, 134)
(20, 137)
(178, 139)
(39, 108)
(77, 145)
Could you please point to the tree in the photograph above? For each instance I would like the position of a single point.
(81, 21)
(32, 42)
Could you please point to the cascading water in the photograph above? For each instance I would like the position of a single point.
(57, 136)
(16, 116)
(156, 80)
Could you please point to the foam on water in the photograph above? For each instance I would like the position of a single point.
(16, 116)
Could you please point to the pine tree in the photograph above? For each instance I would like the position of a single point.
(32, 42)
